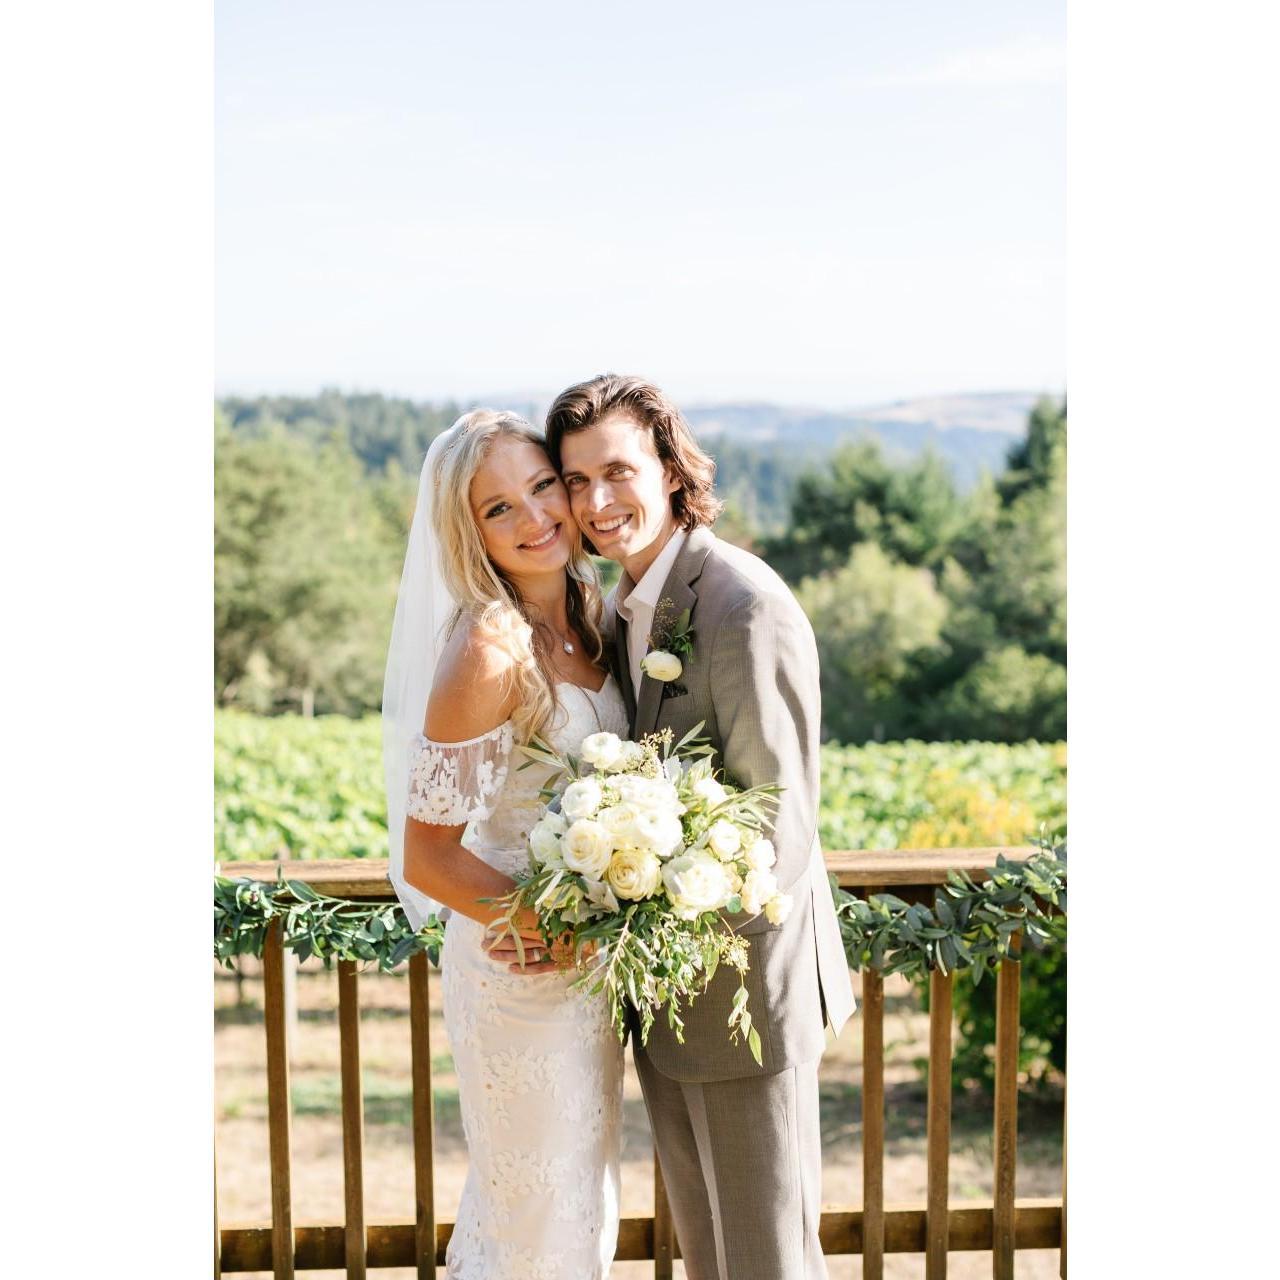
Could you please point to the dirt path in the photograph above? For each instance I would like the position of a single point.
(243, 1178)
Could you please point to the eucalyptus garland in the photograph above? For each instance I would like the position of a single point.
(314, 924)
(970, 925)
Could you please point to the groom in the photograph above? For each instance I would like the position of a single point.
(739, 1144)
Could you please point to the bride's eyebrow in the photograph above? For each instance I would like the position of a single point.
(497, 497)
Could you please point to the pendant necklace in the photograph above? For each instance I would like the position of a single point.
(566, 645)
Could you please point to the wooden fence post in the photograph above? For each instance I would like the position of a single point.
(872, 1122)
(352, 1117)
(279, 1111)
(290, 977)
(938, 1126)
(423, 1117)
(1005, 1137)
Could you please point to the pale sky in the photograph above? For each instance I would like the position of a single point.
(812, 203)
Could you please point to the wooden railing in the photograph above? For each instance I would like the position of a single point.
(936, 1228)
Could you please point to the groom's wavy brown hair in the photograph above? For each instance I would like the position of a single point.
(581, 406)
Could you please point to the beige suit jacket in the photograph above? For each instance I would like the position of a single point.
(752, 680)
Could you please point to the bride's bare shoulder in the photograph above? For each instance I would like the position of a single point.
(473, 690)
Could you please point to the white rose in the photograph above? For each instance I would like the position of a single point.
(696, 882)
(658, 831)
(724, 838)
(586, 848)
(710, 792)
(619, 821)
(545, 843)
(581, 799)
(662, 665)
(634, 873)
(778, 908)
(760, 856)
(757, 889)
(603, 750)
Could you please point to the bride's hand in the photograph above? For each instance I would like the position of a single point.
(538, 958)
(500, 943)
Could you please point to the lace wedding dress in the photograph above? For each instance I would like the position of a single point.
(539, 1067)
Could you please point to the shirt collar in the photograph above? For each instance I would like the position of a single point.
(649, 588)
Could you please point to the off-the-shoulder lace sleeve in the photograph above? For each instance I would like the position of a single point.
(455, 782)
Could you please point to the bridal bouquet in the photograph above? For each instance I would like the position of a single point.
(642, 864)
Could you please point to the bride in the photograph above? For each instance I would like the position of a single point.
(495, 640)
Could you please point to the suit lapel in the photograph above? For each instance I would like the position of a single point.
(678, 588)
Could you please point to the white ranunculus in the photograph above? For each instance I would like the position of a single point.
(581, 799)
(632, 756)
(634, 873)
(710, 792)
(723, 838)
(761, 855)
(619, 821)
(661, 665)
(649, 793)
(555, 821)
(757, 889)
(586, 848)
(545, 843)
(696, 882)
(661, 832)
(778, 908)
(603, 750)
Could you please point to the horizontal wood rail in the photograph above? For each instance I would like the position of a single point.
(935, 1228)
(248, 1248)
(892, 869)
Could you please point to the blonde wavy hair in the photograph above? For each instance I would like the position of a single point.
(485, 595)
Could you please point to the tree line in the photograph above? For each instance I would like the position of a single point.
(940, 614)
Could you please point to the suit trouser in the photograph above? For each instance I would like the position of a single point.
(742, 1162)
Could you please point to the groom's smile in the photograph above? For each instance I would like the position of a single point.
(619, 490)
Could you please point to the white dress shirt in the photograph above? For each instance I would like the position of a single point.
(637, 603)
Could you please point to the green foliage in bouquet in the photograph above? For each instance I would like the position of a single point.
(643, 868)
(315, 924)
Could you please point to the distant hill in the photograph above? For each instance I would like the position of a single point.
(760, 448)
(970, 432)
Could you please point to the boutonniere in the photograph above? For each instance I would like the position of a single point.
(670, 644)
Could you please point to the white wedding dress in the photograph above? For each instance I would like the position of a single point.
(539, 1067)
